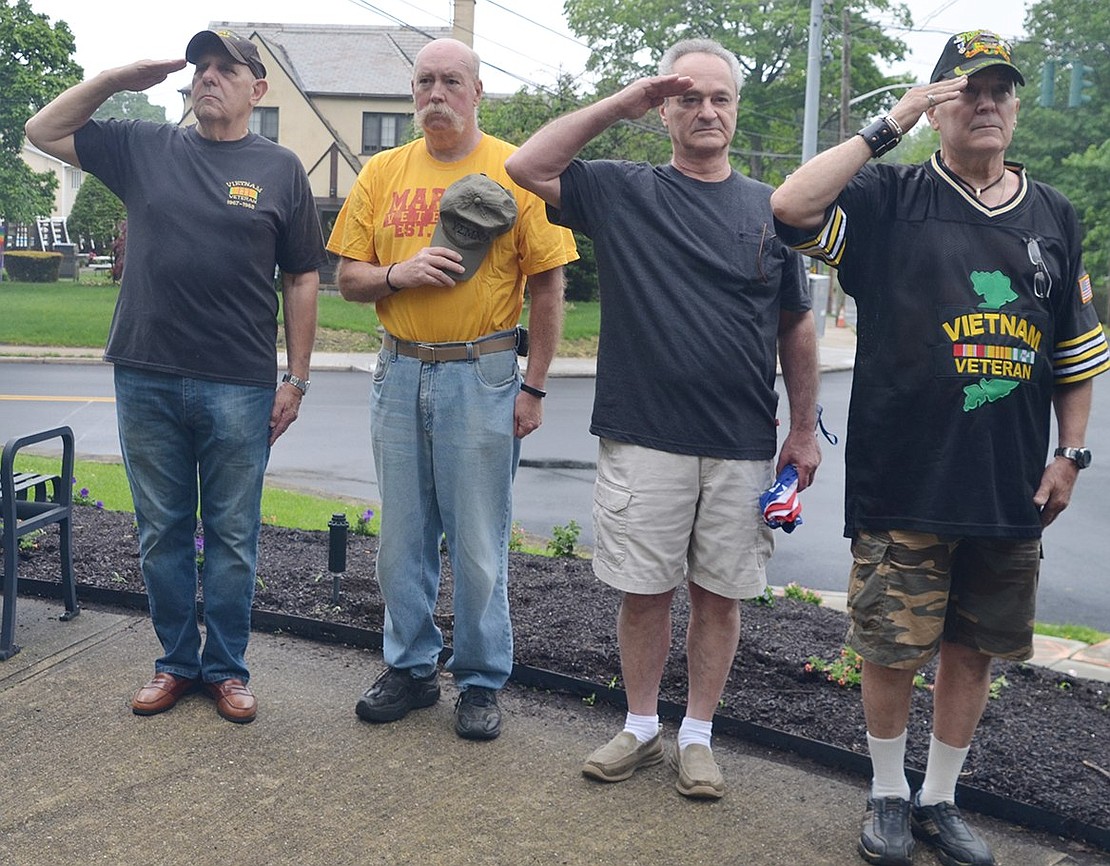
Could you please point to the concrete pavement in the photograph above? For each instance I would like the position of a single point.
(837, 348)
(86, 781)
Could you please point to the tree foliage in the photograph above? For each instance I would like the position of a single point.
(771, 42)
(96, 215)
(35, 66)
(1066, 147)
(129, 105)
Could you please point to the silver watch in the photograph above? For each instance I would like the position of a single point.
(297, 382)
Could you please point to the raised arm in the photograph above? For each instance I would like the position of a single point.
(540, 161)
(51, 129)
(806, 194)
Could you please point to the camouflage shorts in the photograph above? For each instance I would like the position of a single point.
(910, 590)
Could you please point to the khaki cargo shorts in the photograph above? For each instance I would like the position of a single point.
(661, 519)
(910, 590)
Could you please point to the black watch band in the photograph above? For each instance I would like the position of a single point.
(1081, 457)
(535, 392)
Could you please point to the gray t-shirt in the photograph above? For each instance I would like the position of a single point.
(692, 279)
(206, 224)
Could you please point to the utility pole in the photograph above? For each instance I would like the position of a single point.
(845, 73)
(813, 82)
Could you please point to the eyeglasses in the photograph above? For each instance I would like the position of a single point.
(1042, 281)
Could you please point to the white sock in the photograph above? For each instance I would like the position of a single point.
(888, 767)
(694, 731)
(941, 773)
(641, 727)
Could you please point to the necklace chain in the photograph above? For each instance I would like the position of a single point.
(979, 190)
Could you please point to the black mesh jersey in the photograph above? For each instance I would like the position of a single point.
(968, 318)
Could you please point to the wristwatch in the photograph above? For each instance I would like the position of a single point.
(297, 382)
(1081, 457)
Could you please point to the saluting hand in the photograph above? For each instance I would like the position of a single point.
(144, 73)
(641, 96)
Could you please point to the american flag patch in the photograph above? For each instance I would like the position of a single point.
(1085, 288)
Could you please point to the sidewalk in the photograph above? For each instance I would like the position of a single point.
(86, 781)
(837, 348)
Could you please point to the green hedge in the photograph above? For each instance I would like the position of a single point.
(32, 267)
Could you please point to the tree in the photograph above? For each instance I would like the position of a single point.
(129, 105)
(96, 214)
(1087, 176)
(35, 66)
(1063, 146)
(769, 39)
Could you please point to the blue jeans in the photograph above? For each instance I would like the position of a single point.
(445, 456)
(174, 430)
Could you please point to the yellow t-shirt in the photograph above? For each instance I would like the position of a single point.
(390, 215)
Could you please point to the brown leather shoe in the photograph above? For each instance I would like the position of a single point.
(234, 700)
(160, 694)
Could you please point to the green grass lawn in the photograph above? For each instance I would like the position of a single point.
(106, 484)
(78, 314)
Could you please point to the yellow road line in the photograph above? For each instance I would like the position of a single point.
(34, 398)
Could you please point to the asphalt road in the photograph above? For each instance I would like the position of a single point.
(328, 451)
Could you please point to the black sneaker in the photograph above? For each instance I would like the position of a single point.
(477, 716)
(884, 835)
(396, 692)
(944, 828)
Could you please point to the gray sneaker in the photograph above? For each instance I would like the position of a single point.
(622, 756)
(477, 716)
(394, 693)
(943, 827)
(698, 774)
(884, 836)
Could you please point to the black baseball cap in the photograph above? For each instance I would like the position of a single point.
(241, 50)
(967, 53)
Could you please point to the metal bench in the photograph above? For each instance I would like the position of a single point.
(28, 502)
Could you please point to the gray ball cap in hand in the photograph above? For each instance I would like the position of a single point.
(473, 212)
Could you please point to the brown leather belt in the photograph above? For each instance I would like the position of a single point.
(432, 353)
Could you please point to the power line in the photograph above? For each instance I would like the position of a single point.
(523, 80)
(538, 24)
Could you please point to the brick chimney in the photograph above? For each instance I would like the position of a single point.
(463, 21)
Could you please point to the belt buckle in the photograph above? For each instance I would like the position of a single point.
(426, 352)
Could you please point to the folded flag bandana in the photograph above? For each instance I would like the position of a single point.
(779, 502)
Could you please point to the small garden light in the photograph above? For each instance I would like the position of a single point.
(337, 551)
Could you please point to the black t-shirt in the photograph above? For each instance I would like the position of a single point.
(206, 224)
(962, 337)
(692, 279)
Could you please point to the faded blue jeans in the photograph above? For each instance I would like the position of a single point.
(176, 431)
(445, 456)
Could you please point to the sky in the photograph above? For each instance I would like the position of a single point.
(521, 42)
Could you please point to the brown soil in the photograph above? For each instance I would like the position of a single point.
(1031, 745)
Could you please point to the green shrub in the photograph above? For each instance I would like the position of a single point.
(564, 539)
(33, 266)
